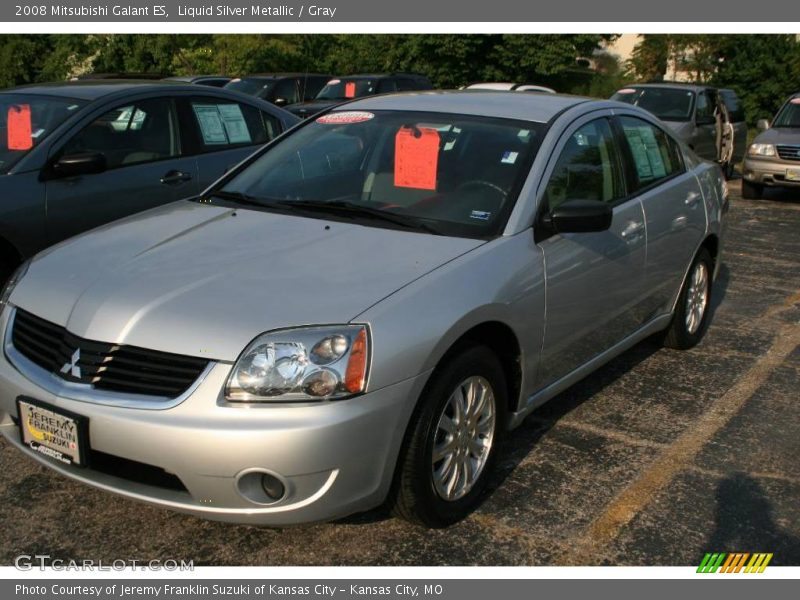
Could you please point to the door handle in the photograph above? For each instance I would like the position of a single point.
(175, 177)
(632, 230)
(692, 198)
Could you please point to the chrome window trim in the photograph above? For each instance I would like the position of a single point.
(82, 392)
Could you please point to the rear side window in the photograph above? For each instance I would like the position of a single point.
(734, 106)
(588, 167)
(654, 154)
(218, 124)
(286, 90)
(142, 132)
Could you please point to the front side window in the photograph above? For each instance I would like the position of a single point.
(222, 124)
(455, 175)
(26, 120)
(655, 156)
(704, 108)
(668, 104)
(588, 167)
(142, 132)
(286, 90)
(252, 87)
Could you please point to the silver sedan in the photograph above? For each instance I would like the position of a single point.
(359, 312)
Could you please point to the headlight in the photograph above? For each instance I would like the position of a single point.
(302, 365)
(761, 150)
(12, 282)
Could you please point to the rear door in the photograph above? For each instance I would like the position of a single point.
(145, 167)
(673, 205)
(738, 122)
(594, 281)
(220, 133)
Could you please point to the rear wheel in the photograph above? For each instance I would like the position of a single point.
(752, 191)
(690, 321)
(452, 441)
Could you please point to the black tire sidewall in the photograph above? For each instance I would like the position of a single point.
(472, 361)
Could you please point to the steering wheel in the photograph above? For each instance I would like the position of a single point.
(476, 183)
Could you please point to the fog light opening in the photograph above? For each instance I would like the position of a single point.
(273, 487)
(260, 486)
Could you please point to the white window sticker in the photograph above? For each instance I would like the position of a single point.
(509, 158)
(234, 122)
(210, 122)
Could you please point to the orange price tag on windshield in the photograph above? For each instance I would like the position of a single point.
(19, 127)
(350, 89)
(416, 157)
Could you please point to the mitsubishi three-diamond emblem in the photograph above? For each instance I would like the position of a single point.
(72, 365)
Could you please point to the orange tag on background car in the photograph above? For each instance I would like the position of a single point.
(416, 157)
(19, 127)
(350, 89)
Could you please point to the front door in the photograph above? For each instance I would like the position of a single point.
(145, 168)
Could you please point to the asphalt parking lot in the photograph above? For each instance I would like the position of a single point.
(655, 459)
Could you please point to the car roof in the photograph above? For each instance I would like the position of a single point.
(674, 85)
(280, 75)
(538, 108)
(194, 77)
(90, 89)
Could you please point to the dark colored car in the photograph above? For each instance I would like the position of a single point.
(77, 155)
(709, 120)
(359, 86)
(209, 80)
(281, 89)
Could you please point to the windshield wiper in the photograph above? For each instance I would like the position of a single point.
(240, 198)
(351, 209)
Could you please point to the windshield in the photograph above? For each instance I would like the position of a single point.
(344, 89)
(252, 87)
(26, 120)
(668, 104)
(789, 115)
(450, 174)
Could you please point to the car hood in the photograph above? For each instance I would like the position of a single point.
(204, 280)
(779, 135)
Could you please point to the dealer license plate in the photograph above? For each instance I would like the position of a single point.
(53, 432)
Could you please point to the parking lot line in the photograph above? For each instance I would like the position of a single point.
(679, 454)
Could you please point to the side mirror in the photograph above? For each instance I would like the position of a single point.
(705, 120)
(762, 124)
(580, 216)
(280, 102)
(82, 163)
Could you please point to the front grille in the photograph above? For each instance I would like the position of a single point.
(104, 366)
(788, 152)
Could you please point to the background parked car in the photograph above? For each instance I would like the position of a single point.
(711, 123)
(773, 158)
(282, 89)
(516, 87)
(358, 86)
(76, 155)
(210, 80)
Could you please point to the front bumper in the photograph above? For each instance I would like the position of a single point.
(769, 171)
(334, 458)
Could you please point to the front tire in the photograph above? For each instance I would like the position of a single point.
(451, 444)
(752, 191)
(690, 321)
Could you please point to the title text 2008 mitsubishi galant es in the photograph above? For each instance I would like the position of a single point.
(359, 312)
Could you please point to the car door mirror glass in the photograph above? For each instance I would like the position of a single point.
(580, 216)
(81, 163)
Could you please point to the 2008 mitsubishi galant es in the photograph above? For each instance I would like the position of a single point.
(360, 311)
